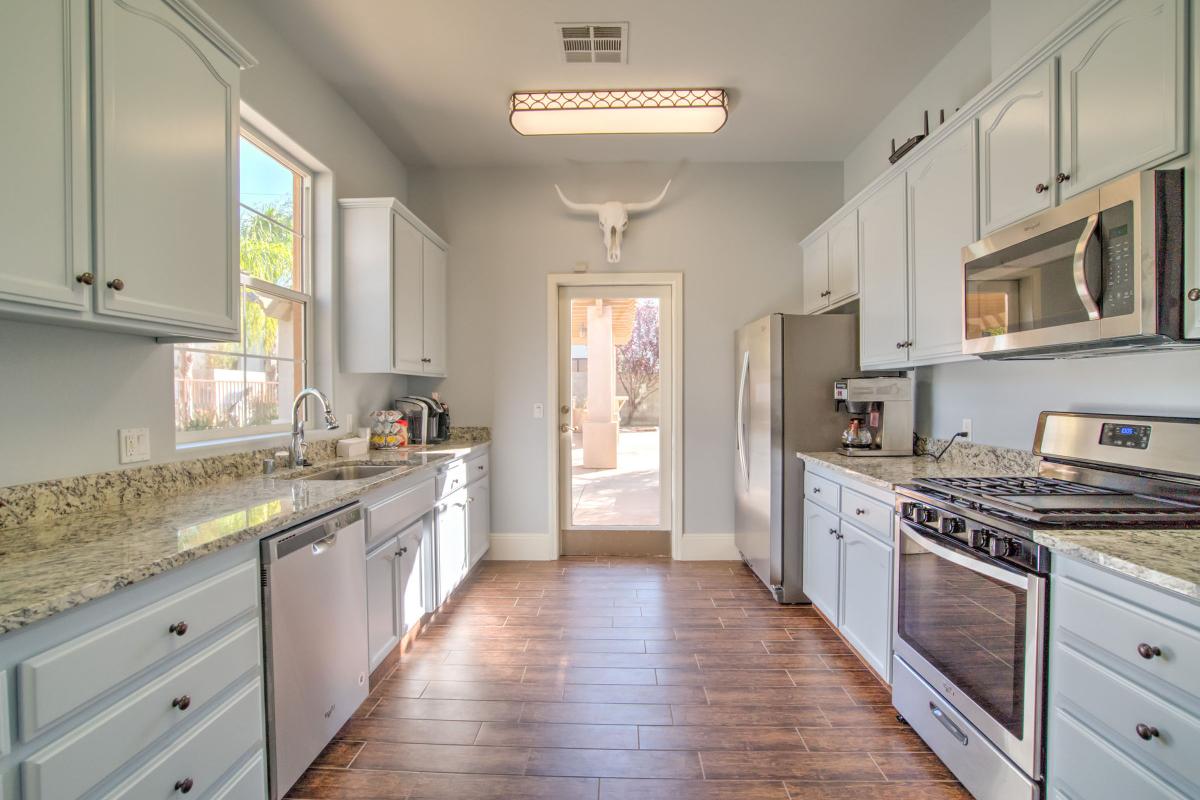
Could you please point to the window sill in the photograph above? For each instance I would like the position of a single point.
(256, 440)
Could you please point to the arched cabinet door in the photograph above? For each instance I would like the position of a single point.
(166, 158)
(1121, 89)
(1016, 151)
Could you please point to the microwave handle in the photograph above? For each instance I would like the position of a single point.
(1082, 250)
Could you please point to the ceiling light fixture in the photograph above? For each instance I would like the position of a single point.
(602, 111)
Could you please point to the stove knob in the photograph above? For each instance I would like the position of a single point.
(908, 510)
(1001, 546)
(949, 525)
(926, 516)
(979, 538)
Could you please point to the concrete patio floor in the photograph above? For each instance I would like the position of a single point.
(625, 496)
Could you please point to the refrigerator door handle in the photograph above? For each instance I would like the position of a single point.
(741, 418)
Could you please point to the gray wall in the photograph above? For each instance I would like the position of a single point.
(1018, 26)
(1003, 398)
(66, 391)
(732, 229)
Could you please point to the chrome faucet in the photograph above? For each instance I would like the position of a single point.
(297, 447)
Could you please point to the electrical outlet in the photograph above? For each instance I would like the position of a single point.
(133, 445)
(966, 426)
(539, 411)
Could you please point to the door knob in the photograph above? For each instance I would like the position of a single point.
(564, 409)
(116, 284)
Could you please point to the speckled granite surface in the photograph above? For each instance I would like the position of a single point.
(887, 472)
(51, 564)
(1168, 559)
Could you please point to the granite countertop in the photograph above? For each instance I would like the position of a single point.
(1166, 558)
(49, 566)
(887, 472)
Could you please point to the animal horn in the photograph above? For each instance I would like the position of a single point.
(649, 204)
(589, 208)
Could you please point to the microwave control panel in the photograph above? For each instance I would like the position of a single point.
(1116, 225)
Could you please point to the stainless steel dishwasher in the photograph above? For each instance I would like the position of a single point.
(315, 635)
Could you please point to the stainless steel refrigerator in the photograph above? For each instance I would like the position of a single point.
(784, 373)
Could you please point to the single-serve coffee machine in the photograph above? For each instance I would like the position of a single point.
(881, 416)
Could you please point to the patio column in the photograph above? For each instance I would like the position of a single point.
(600, 427)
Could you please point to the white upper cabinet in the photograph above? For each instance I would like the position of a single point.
(44, 237)
(433, 294)
(144, 237)
(941, 221)
(882, 250)
(393, 290)
(815, 273)
(1122, 84)
(166, 169)
(1016, 151)
(408, 349)
(843, 258)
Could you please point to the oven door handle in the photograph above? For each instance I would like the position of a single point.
(1082, 288)
(965, 560)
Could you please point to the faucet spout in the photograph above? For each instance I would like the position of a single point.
(298, 417)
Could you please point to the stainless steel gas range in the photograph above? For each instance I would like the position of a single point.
(971, 582)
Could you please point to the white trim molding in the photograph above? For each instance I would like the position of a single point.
(521, 547)
(556, 281)
(708, 547)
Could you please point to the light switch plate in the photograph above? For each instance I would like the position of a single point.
(134, 445)
(539, 410)
(966, 426)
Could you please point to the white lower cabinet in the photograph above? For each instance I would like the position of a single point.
(160, 685)
(383, 601)
(848, 555)
(1124, 691)
(479, 518)
(452, 554)
(415, 576)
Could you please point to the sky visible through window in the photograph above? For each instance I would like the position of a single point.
(265, 182)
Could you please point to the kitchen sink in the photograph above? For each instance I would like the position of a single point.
(351, 472)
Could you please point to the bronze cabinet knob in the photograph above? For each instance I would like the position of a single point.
(1041, 187)
(1194, 295)
(184, 786)
(1062, 177)
(87, 278)
(1148, 651)
(183, 702)
(858, 512)
(179, 628)
(1146, 732)
(116, 284)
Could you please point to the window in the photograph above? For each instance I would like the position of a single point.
(242, 388)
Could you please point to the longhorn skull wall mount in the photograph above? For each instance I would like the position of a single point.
(613, 217)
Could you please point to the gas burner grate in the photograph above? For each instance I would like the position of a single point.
(1013, 486)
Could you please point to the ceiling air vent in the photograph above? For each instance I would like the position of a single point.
(594, 42)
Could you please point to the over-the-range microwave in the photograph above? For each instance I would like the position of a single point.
(1101, 273)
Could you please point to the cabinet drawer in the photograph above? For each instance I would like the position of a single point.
(72, 765)
(203, 754)
(868, 514)
(60, 680)
(248, 783)
(388, 516)
(477, 468)
(821, 490)
(453, 478)
(1122, 629)
(1085, 767)
(1120, 706)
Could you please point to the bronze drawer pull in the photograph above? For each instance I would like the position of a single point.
(858, 512)
(87, 278)
(1147, 651)
(1146, 732)
(184, 786)
(1041, 187)
(1062, 177)
(116, 284)
(179, 628)
(183, 702)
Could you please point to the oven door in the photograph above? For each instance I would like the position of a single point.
(974, 629)
(1067, 279)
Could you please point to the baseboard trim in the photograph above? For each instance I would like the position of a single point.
(519, 547)
(708, 547)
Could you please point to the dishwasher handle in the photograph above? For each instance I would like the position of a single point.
(317, 535)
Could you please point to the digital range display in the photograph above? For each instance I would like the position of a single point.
(1117, 435)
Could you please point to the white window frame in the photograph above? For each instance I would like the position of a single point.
(305, 298)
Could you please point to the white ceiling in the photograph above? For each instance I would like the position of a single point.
(808, 78)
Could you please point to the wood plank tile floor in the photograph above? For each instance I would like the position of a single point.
(626, 679)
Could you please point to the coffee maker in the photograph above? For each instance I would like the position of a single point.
(880, 412)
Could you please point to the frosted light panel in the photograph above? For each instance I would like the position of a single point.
(619, 111)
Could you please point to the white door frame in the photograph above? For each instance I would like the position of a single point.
(554, 282)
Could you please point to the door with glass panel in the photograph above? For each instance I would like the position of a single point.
(614, 419)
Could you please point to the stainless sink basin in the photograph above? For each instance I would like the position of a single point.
(352, 472)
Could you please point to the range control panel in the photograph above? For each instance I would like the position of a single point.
(1116, 434)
